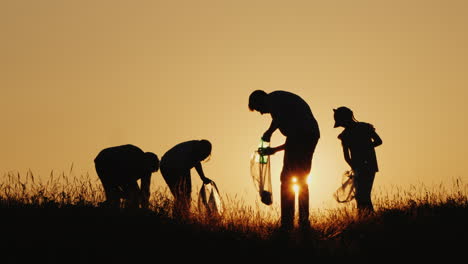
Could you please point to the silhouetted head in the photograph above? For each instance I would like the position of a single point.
(257, 101)
(343, 116)
(204, 149)
(152, 161)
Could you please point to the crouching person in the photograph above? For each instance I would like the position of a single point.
(119, 168)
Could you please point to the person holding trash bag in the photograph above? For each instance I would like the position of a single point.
(293, 117)
(359, 140)
(119, 168)
(176, 164)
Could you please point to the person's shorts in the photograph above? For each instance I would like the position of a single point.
(298, 154)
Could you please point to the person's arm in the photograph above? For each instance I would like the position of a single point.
(279, 148)
(376, 139)
(267, 135)
(347, 156)
(199, 169)
(271, 151)
(145, 191)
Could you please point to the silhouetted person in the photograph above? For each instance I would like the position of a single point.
(119, 168)
(176, 164)
(293, 117)
(359, 140)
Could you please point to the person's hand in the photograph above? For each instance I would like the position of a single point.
(266, 136)
(207, 181)
(266, 151)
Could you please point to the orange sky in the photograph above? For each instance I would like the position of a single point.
(79, 76)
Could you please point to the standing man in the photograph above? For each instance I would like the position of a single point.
(293, 117)
(119, 168)
(176, 165)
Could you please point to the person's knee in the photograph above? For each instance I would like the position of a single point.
(302, 181)
(287, 187)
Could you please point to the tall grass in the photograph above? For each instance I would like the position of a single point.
(62, 190)
(452, 191)
(418, 219)
(58, 190)
(417, 200)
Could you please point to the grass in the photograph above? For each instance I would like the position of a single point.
(60, 220)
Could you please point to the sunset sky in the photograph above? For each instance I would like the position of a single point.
(80, 76)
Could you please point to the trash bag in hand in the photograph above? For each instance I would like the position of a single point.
(261, 174)
(345, 193)
(209, 200)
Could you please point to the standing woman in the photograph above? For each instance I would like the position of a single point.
(359, 140)
(175, 167)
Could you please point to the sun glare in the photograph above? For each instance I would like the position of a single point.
(295, 186)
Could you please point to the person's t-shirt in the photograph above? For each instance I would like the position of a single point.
(181, 157)
(292, 114)
(359, 140)
(125, 161)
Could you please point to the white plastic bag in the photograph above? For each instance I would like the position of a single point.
(209, 200)
(261, 174)
(346, 191)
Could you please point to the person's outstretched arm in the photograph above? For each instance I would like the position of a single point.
(199, 169)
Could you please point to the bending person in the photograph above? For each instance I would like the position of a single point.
(293, 117)
(119, 168)
(176, 165)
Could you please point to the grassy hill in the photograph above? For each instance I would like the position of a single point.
(59, 221)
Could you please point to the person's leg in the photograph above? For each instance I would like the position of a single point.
(287, 204)
(371, 184)
(298, 163)
(363, 181)
(111, 189)
(186, 192)
(132, 194)
(182, 195)
(303, 201)
(288, 198)
(367, 190)
(358, 186)
(171, 177)
(113, 194)
(304, 166)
